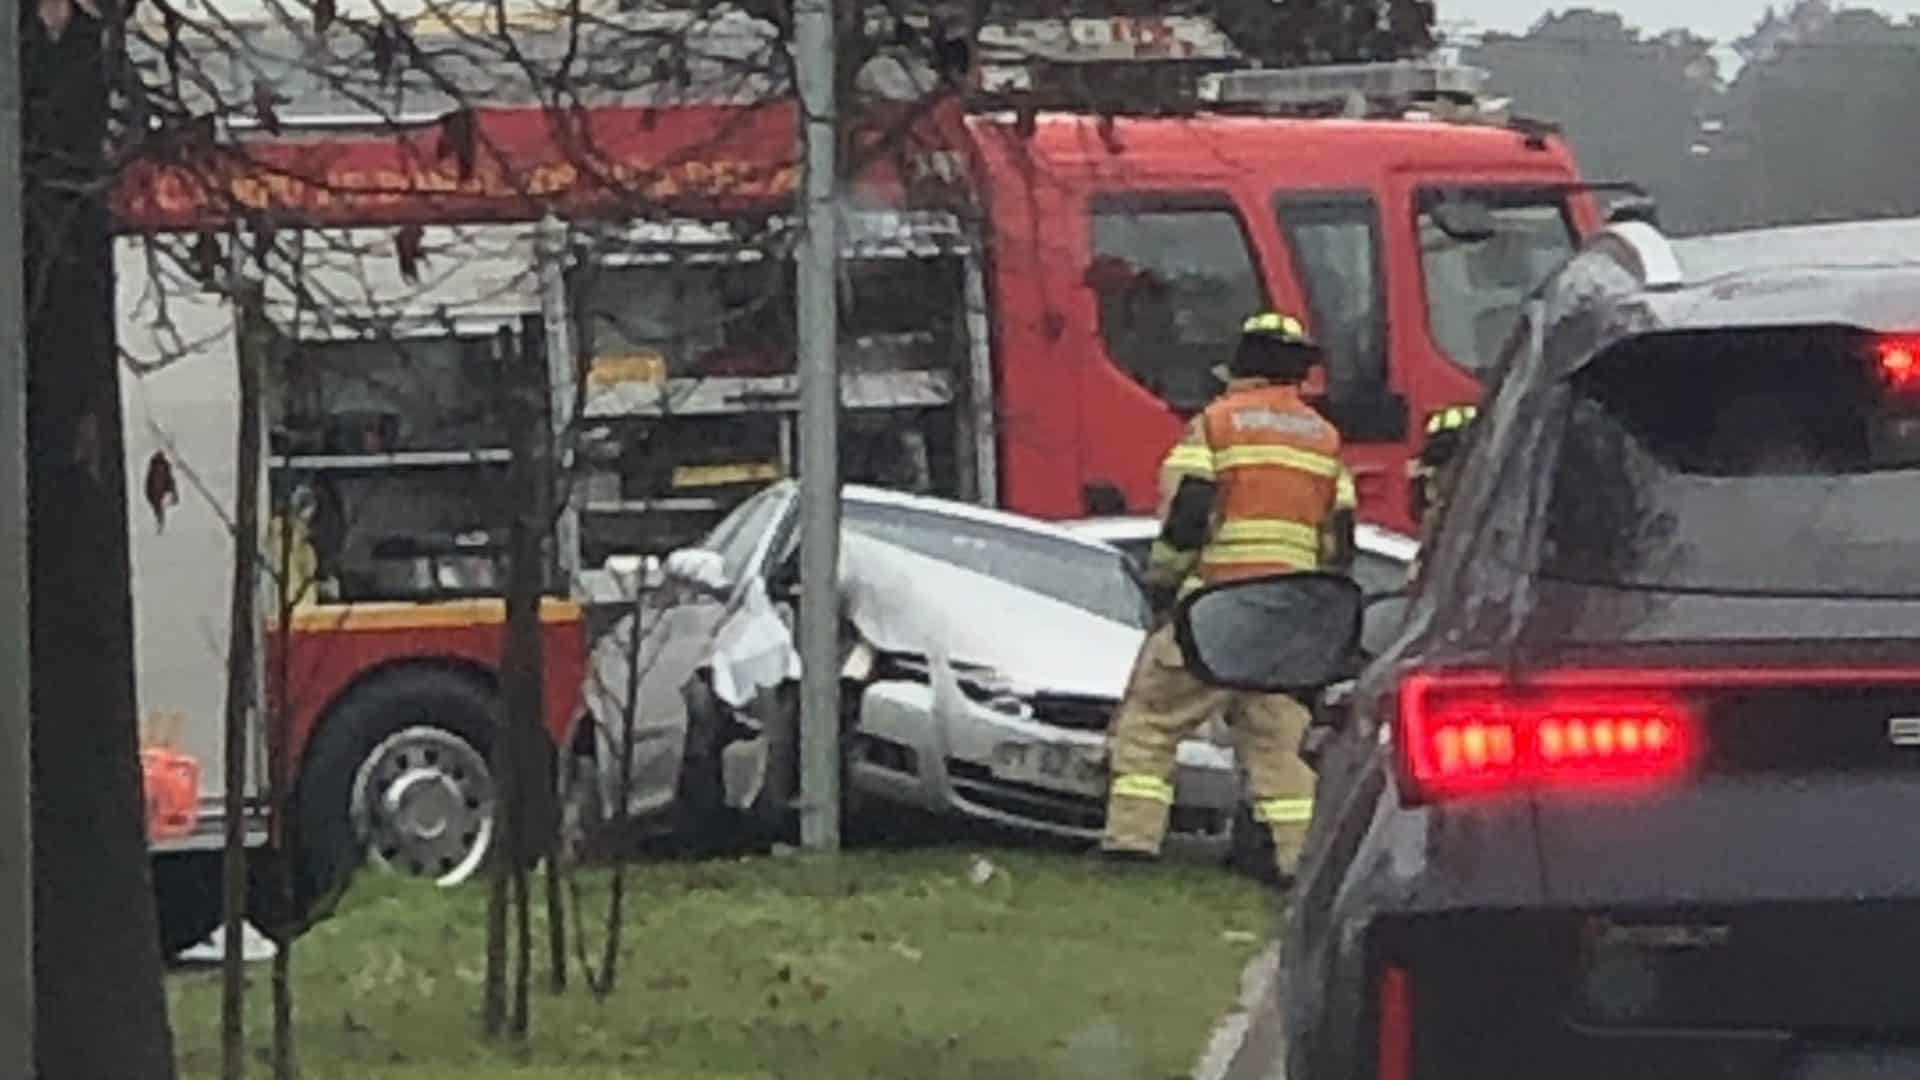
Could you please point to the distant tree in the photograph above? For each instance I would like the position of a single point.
(1631, 104)
(1819, 122)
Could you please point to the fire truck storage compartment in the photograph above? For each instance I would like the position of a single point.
(688, 343)
(383, 394)
(398, 444)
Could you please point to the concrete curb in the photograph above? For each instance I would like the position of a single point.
(1235, 1050)
(1262, 1052)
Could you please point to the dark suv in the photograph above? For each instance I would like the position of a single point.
(1628, 793)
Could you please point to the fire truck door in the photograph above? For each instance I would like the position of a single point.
(1334, 243)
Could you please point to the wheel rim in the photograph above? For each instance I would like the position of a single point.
(423, 803)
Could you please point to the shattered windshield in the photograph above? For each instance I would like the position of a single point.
(1476, 284)
(1091, 578)
(1763, 462)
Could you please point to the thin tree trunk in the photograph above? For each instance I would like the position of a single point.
(522, 683)
(97, 951)
(524, 680)
(556, 916)
(505, 817)
(629, 721)
(240, 691)
(494, 1007)
(280, 792)
(521, 1020)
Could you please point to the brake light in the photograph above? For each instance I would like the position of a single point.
(1900, 363)
(1476, 733)
(1395, 1049)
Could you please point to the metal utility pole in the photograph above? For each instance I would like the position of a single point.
(813, 54)
(16, 720)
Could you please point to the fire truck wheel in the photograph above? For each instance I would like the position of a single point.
(399, 772)
(186, 897)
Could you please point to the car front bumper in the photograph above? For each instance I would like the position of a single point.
(1013, 771)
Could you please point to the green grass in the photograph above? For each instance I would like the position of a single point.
(889, 965)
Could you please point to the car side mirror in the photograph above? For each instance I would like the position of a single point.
(1291, 633)
(1466, 222)
(698, 569)
(1634, 208)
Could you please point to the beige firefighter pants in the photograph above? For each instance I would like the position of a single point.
(1166, 704)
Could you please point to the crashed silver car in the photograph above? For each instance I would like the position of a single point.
(984, 653)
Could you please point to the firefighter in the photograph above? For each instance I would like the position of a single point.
(1254, 488)
(1432, 472)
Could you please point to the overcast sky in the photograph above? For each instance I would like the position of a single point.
(1722, 20)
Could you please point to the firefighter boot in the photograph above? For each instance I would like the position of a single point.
(1267, 730)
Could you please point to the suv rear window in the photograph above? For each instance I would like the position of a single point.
(1763, 462)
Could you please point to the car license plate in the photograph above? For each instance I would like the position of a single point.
(1074, 769)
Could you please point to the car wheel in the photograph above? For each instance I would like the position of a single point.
(703, 820)
(703, 823)
(773, 814)
(187, 898)
(399, 772)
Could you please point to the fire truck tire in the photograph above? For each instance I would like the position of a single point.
(186, 898)
(451, 716)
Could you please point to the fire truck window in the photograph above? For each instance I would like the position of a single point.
(1174, 286)
(1336, 250)
(1476, 287)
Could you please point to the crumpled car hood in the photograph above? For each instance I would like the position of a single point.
(901, 601)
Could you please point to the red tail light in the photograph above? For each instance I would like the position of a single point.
(1395, 1049)
(1473, 733)
(1900, 363)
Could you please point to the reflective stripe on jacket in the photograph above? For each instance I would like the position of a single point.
(1276, 467)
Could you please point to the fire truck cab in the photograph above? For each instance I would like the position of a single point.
(1127, 250)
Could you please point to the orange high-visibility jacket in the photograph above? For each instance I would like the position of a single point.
(1275, 465)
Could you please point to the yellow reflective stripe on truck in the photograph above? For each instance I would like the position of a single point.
(387, 615)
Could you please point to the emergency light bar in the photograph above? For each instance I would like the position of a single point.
(1398, 85)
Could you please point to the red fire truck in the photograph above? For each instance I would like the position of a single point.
(1033, 299)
